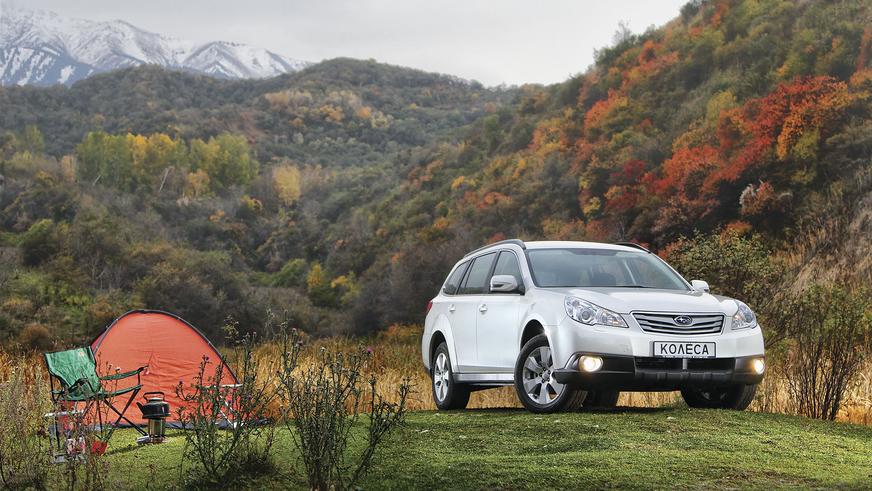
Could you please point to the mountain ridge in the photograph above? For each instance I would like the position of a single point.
(42, 48)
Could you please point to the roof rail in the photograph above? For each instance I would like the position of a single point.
(633, 245)
(516, 242)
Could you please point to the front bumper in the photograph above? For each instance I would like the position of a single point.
(635, 373)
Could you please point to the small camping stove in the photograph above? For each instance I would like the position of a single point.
(156, 410)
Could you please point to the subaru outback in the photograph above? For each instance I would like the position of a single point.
(572, 324)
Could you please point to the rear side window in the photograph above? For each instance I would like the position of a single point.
(508, 264)
(453, 282)
(476, 280)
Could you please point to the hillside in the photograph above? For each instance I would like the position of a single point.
(317, 146)
(362, 183)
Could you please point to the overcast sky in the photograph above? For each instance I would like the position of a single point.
(492, 41)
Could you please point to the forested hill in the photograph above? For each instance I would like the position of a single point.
(305, 115)
(748, 116)
(343, 193)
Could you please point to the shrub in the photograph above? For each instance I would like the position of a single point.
(35, 337)
(829, 340)
(39, 243)
(293, 273)
(738, 267)
(24, 452)
(227, 441)
(323, 401)
(82, 467)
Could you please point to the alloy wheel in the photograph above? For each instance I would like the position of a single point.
(441, 375)
(539, 384)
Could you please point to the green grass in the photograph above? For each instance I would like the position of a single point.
(633, 448)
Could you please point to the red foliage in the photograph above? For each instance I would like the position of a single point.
(631, 172)
(772, 124)
(685, 164)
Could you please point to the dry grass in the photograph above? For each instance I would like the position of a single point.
(396, 355)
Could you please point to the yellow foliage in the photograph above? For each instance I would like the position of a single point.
(592, 206)
(278, 100)
(315, 278)
(340, 281)
(197, 184)
(68, 168)
(457, 182)
(286, 182)
(332, 113)
(520, 167)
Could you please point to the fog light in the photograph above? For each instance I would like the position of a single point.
(758, 365)
(590, 363)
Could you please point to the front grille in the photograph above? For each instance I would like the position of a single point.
(713, 364)
(666, 323)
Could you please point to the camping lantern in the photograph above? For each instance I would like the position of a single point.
(156, 410)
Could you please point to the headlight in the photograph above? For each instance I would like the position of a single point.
(744, 317)
(590, 314)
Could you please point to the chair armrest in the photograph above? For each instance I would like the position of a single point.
(119, 376)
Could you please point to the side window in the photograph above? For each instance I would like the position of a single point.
(453, 282)
(508, 264)
(476, 280)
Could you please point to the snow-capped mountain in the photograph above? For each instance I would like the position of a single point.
(42, 48)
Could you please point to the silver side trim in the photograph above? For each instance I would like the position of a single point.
(485, 378)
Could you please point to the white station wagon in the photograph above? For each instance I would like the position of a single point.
(573, 324)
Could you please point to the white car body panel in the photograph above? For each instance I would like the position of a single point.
(484, 331)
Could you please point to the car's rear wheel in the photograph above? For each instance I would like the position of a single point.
(601, 399)
(447, 393)
(736, 397)
(538, 391)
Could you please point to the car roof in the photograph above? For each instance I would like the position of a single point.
(551, 244)
(563, 244)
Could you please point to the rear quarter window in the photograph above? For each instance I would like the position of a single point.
(476, 281)
(453, 281)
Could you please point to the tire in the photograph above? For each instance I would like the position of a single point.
(447, 394)
(601, 399)
(736, 397)
(533, 376)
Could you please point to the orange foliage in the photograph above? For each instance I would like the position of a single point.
(598, 113)
(778, 120)
(722, 8)
(737, 228)
(684, 164)
(650, 62)
(492, 198)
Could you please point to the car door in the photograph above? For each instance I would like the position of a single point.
(466, 310)
(497, 323)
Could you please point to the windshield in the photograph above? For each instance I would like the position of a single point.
(585, 268)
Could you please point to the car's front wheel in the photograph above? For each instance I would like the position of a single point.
(447, 393)
(736, 397)
(537, 389)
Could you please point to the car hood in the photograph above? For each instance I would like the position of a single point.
(626, 300)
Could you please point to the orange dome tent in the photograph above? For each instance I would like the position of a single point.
(171, 348)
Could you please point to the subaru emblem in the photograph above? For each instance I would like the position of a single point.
(683, 320)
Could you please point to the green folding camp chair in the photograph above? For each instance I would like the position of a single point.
(76, 372)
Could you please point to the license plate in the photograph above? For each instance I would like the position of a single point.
(687, 349)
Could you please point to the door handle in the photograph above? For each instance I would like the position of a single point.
(482, 308)
(452, 308)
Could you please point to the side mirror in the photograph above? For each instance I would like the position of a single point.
(504, 283)
(700, 286)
